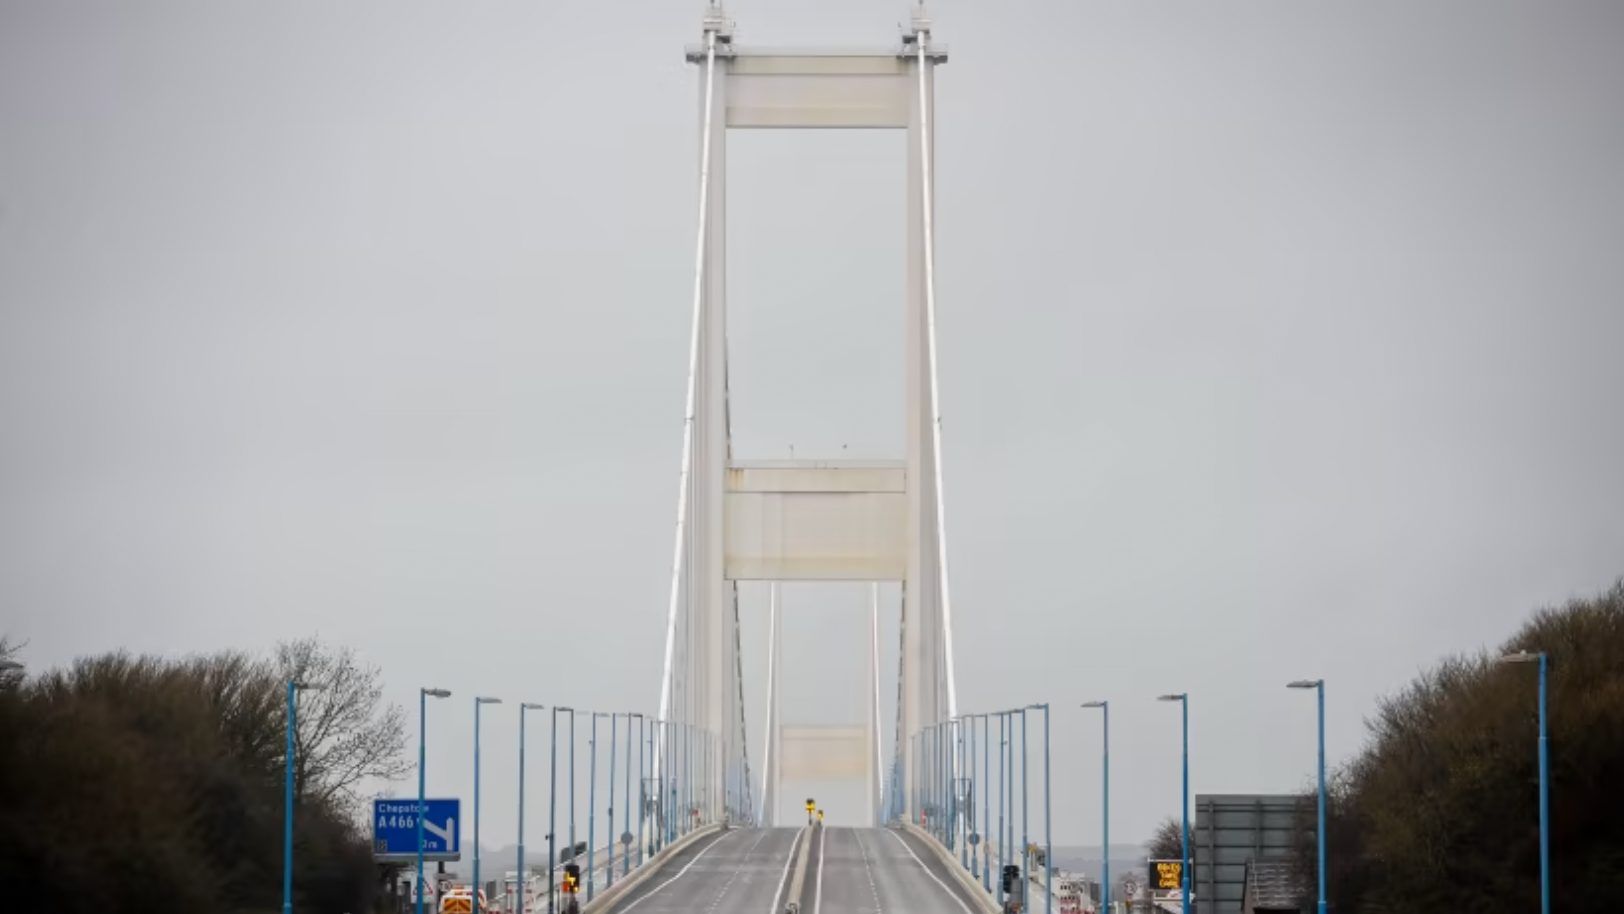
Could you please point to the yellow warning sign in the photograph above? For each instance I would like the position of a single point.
(1166, 875)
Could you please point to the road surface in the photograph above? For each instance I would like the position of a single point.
(849, 871)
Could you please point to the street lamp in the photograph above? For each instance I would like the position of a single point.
(477, 703)
(614, 735)
(1105, 770)
(1184, 809)
(1048, 817)
(1026, 807)
(1544, 780)
(986, 800)
(1318, 685)
(422, 743)
(518, 877)
(552, 806)
(287, 823)
(592, 801)
(626, 814)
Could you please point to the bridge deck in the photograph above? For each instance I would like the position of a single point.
(850, 871)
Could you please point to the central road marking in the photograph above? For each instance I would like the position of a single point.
(950, 893)
(872, 888)
(743, 862)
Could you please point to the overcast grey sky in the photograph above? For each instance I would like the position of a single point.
(1277, 341)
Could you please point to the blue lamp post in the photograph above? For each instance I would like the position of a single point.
(287, 823)
(1009, 772)
(592, 802)
(1048, 816)
(1183, 699)
(1318, 685)
(1026, 808)
(1105, 768)
(960, 793)
(614, 735)
(986, 799)
(973, 839)
(552, 809)
(572, 789)
(1544, 779)
(478, 702)
(1003, 847)
(422, 754)
(642, 790)
(626, 813)
(518, 879)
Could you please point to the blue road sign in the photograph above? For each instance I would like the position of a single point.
(394, 829)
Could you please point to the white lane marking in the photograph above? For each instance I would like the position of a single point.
(784, 879)
(817, 894)
(950, 893)
(661, 887)
(743, 862)
(872, 888)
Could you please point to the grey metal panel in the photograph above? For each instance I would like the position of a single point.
(1249, 838)
(1248, 799)
(1231, 829)
(1233, 855)
(1246, 820)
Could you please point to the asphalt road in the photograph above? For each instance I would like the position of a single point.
(850, 871)
(879, 871)
(743, 870)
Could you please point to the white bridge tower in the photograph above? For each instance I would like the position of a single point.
(811, 520)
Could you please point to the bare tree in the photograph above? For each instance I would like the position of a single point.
(346, 734)
(11, 670)
(1165, 842)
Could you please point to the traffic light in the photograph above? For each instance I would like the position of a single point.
(572, 879)
(1012, 877)
(820, 815)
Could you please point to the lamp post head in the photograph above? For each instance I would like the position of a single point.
(1181, 696)
(487, 701)
(1094, 704)
(306, 686)
(1519, 657)
(1305, 684)
(437, 693)
(530, 706)
(7, 666)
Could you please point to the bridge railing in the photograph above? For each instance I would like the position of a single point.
(975, 794)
